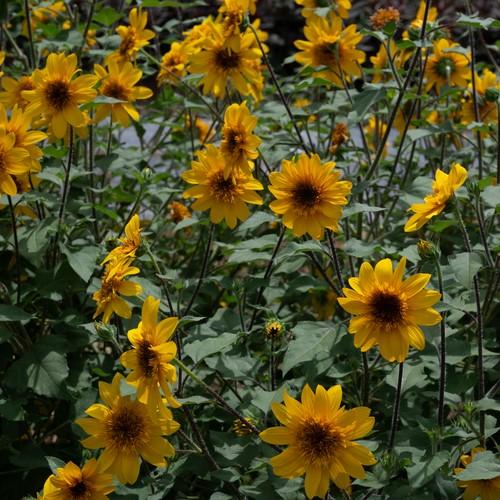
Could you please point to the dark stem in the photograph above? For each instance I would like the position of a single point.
(395, 411)
(442, 352)
(366, 380)
(27, 14)
(87, 27)
(272, 361)
(16, 249)
(92, 181)
(335, 258)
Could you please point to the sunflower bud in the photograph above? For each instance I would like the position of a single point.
(274, 329)
(426, 250)
(492, 95)
(106, 332)
(241, 428)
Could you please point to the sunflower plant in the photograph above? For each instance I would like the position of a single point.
(249, 250)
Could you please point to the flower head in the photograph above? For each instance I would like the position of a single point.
(127, 431)
(340, 135)
(239, 144)
(150, 357)
(309, 195)
(443, 189)
(320, 438)
(58, 94)
(12, 91)
(241, 428)
(178, 211)
(419, 16)
(74, 483)
(274, 329)
(113, 285)
(173, 63)
(225, 197)
(14, 161)
(388, 310)
(384, 16)
(128, 244)
(488, 111)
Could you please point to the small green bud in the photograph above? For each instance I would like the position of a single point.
(107, 333)
(492, 94)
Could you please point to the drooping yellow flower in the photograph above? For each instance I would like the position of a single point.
(340, 8)
(72, 483)
(487, 88)
(221, 65)
(380, 61)
(12, 93)
(206, 132)
(150, 357)
(58, 95)
(388, 310)
(320, 438)
(309, 195)
(446, 67)
(14, 161)
(173, 63)
(416, 24)
(340, 135)
(133, 37)
(484, 489)
(128, 244)
(127, 431)
(443, 188)
(178, 211)
(328, 44)
(119, 82)
(113, 285)
(374, 131)
(239, 144)
(225, 197)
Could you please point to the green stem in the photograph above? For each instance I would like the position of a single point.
(442, 352)
(16, 249)
(395, 411)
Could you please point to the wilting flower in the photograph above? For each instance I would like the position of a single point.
(133, 37)
(112, 286)
(150, 357)
(58, 95)
(485, 489)
(328, 44)
(320, 438)
(225, 197)
(374, 132)
(241, 428)
(120, 82)
(340, 8)
(173, 63)
(488, 111)
(14, 161)
(309, 195)
(446, 67)
(340, 135)
(178, 211)
(239, 144)
(127, 431)
(443, 189)
(384, 16)
(12, 93)
(388, 310)
(128, 244)
(74, 483)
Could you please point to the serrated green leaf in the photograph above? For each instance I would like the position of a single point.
(465, 266)
(200, 349)
(484, 466)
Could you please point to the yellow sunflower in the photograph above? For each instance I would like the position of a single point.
(14, 161)
(340, 8)
(416, 24)
(128, 244)
(133, 37)
(119, 82)
(43, 14)
(446, 66)
(239, 144)
(443, 188)
(487, 87)
(329, 45)
(388, 311)
(232, 14)
(12, 93)
(221, 65)
(309, 195)
(320, 438)
(112, 286)
(58, 95)
(150, 357)
(173, 63)
(127, 431)
(225, 197)
(380, 61)
(485, 489)
(72, 483)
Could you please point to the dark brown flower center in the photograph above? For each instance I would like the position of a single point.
(116, 90)
(125, 428)
(58, 94)
(318, 440)
(233, 140)
(78, 490)
(306, 195)
(226, 59)
(146, 358)
(326, 55)
(387, 307)
(445, 67)
(223, 189)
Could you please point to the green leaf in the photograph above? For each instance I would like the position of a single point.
(357, 208)
(83, 262)
(13, 313)
(423, 471)
(200, 349)
(55, 463)
(475, 21)
(12, 410)
(491, 196)
(465, 266)
(413, 376)
(484, 465)
(107, 16)
(363, 101)
(488, 404)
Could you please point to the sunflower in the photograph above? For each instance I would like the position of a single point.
(150, 357)
(239, 144)
(58, 95)
(232, 14)
(113, 284)
(388, 311)
(225, 197)
(486, 84)
(173, 63)
(14, 161)
(309, 195)
(443, 188)
(221, 65)
(127, 431)
(329, 45)
(12, 93)
(446, 66)
(19, 124)
(129, 244)
(133, 37)
(72, 483)
(119, 82)
(340, 8)
(320, 437)
(432, 15)
(485, 489)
